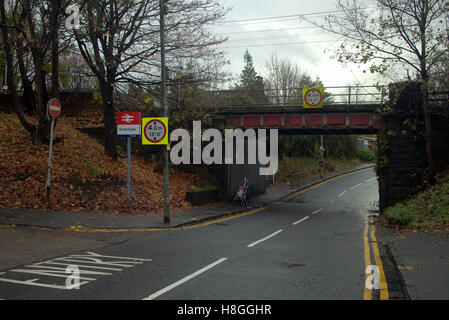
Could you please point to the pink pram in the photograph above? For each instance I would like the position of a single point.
(240, 195)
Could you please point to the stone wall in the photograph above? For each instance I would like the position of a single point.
(73, 101)
(401, 162)
(401, 147)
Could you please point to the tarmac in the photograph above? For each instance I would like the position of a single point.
(422, 258)
(106, 220)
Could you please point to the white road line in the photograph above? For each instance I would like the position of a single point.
(263, 239)
(183, 280)
(317, 211)
(355, 186)
(371, 179)
(295, 223)
(341, 194)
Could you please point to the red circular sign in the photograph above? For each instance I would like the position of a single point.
(54, 108)
(313, 97)
(155, 131)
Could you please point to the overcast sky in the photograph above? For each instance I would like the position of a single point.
(260, 36)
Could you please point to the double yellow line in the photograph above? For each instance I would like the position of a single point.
(383, 287)
(186, 227)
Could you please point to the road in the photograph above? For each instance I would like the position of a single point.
(310, 247)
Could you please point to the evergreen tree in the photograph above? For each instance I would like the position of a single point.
(248, 75)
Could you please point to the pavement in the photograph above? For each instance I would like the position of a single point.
(106, 220)
(310, 247)
(420, 260)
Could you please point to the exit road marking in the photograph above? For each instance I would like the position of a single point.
(53, 273)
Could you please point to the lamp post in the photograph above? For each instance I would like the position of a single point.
(165, 108)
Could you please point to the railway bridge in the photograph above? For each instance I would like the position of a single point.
(393, 114)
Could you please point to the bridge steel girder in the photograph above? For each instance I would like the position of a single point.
(311, 123)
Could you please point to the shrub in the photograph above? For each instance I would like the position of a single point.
(399, 214)
(202, 184)
(366, 155)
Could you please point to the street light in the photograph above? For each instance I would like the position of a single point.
(164, 105)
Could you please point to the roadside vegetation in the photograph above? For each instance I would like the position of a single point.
(426, 211)
(288, 166)
(83, 177)
(300, 153)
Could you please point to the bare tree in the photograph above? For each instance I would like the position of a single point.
(406, 33)
(30, 32)
(120, 42)
(284, 80)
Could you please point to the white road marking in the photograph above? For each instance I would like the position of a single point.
(317, 211)
(263, 239)
(183, 280)
(355, 186)
(52, 270)
(295, 223)
(371, 179)
(341, 194)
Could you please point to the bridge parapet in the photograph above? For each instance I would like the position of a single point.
(285, 97)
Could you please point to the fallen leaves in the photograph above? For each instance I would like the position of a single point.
(83, 178)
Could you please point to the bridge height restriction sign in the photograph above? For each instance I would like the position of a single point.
(312, 97)
(155, 131)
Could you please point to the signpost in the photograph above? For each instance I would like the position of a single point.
(155, 131)
(53, 111)
(128, 125)
(312, 97)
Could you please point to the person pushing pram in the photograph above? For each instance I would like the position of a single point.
(245, 182)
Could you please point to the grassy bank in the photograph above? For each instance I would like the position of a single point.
(291, 165)
(427, 211)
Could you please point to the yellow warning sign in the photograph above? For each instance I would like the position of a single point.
(312, 97)
(155, 130)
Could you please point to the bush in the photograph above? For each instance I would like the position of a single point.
(202, 184)
(399, 214)
(366, 155)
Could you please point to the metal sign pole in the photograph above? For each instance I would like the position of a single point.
(47, 187)
(128, 181)
(165, 107)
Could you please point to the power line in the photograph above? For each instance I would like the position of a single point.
(287, 37)
(281, 17)
(269, 30)
(280, 44)
(287, 16)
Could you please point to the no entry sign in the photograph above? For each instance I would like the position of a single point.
(155, 130)
(53, 108)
